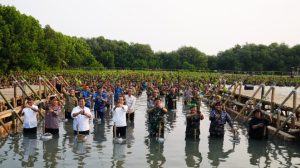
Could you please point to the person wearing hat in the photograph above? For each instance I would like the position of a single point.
(192, 130)
(258, 126)
(156, 120)
(218, 119)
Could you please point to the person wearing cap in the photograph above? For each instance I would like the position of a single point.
(30, 117)
(195, 99)
(192, 130)
(258, 126)
(156, 120)
(218, 119)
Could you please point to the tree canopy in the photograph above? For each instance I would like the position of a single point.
(26, 45)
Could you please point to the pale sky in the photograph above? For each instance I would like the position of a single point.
(208, 25)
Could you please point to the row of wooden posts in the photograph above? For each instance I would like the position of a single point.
(232, 99)
(17, 102)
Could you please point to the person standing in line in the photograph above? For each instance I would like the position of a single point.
(258, 126)
(171, 99)
(218, 119)
(119, 119)
(87, 95)
(71, 101)
(156, 119)
(100, 98)
(118, 92)
(30, 117)
(81, 115)
(192, 130)
(53, 109)
(130, 102)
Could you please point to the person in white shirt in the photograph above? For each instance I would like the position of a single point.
(81, 115)
(130, 102)
(119, 118)
(30, 117)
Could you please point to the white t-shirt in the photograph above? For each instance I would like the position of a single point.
(80, 120)
(30, 120)
(119, 116)
(130, 102)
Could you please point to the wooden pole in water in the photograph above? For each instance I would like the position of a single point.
(3, 125)
(261, 100)
(31, 89)
(50, 84)
(294, 110)
(10, 106)
(245, 105)
(240, 91)
(40, 87)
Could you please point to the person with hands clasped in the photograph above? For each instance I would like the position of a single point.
(258, 126)
(156, 119)
(119, 118)
(30, 117)
(52, 111)
(192, 130)
(81, 115)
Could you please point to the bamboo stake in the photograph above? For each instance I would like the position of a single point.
(244, 107)
(11, 107)
(263, 98)
(50, 84)
(1, 122)
(31, 89)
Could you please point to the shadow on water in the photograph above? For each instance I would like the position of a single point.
(216, 153)
(192, 153)
(155, 157)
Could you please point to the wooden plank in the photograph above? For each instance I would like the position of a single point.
(281, 134)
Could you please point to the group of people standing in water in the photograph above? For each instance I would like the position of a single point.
(120, 100)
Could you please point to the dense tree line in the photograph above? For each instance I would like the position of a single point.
(25, 45)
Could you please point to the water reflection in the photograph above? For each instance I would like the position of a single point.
(216, 153)
(50, 152)
(130, 134)
(119, 155)
(82, 151)
(258, 149)
(99, 132)
(155, 157)
(30, 153)
(193, 156)
(171, 119)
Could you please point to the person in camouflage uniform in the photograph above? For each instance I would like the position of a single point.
(156, 120)
(192, 130)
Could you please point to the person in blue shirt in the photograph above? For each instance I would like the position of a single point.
(218, 119)
(100, 99)
(118, 92)
(87, 95)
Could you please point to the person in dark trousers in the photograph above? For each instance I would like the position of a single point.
(192, 130)
(258, 126)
